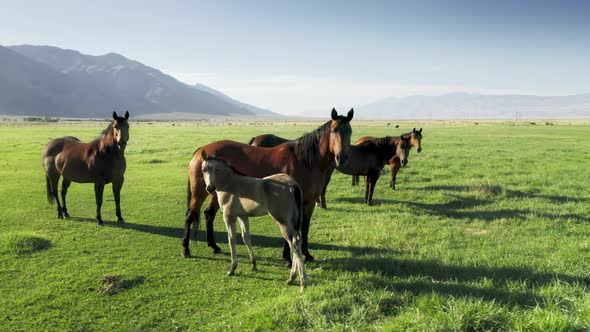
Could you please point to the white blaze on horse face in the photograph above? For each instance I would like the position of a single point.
(121, 134)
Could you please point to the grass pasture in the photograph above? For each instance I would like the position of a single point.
(489, 230)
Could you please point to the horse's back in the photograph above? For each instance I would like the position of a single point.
(55, 146)
(283, 196)
(267, 141)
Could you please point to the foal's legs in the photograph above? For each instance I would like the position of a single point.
(98, 190)
(298, 265)
(230, 225)
(117, 185)
(64, 191)
(245, 226)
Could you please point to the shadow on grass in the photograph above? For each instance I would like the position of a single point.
(433, 276)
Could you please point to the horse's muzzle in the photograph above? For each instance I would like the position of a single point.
(210, 189)
(404, 162)
(419, 149)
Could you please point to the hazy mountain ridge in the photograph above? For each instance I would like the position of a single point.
(92, 86)
(251, 108)
(477, 106)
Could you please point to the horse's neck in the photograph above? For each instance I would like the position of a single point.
(326, 157)
(236, 184)
(108, 145)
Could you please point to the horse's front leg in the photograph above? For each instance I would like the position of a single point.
(210, 212)
(117, 185)
(230, 225)
(245, 225)
(98, 190)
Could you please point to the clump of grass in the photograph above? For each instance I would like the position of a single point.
(23, 243)
(113, 283)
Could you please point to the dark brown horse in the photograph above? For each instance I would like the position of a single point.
(395, 163)
(369, 158)
(306, 160)
(101, 161)
(267, 140)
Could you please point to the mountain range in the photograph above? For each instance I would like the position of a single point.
(50, 81)
(54, 82)
(477, 106)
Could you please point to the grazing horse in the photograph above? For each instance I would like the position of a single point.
(395, 163)
(240, 197)
(101, 161)
(306, 160)
(267, 140)
(369, 158)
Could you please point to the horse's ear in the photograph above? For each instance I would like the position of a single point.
(420, 130)
(334, 114)
(115, 117)
(414, 130)
(204, 155)
(350, 114)
(127, 116)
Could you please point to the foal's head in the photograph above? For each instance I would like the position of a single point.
(121, 130)
(416, 139)
(403, 147)
(213, 170)
(340, 132)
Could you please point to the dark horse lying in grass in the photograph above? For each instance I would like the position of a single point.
(395, 163)
(101, 161)
(306, 160)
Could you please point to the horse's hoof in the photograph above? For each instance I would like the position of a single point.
(289, 264)
(216, 250)
(121, 220)
(100, 223)
(289, 282)
(186, 255)
(66, 216)
(230, 273)
(309, 258)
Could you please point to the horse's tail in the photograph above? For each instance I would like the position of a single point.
(251, 140)
(50, 197)
(299, 201)
(188, 193)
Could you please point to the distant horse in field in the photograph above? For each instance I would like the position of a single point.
(395, 163)
(306, 160)
(267, 140)
(242, 196)
(101, 161)
(369, 158)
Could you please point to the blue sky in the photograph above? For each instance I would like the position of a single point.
(300, 57)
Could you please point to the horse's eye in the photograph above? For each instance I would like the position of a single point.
(204, 170)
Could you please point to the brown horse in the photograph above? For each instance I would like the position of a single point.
(306, 160)
(101, 161)
(241, 197)
(267, 140)
(369, 158)
(395, 163)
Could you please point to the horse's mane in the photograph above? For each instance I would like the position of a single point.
(385, 141)
(307, 146)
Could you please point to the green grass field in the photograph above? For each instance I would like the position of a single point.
(489, 230)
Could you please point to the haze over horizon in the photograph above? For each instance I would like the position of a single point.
(305, 57)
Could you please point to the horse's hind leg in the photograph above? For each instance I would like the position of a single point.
(245, 225)
(65, 184)
(52, 192)
(294, 239)
(210, 212)
(230, 225)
